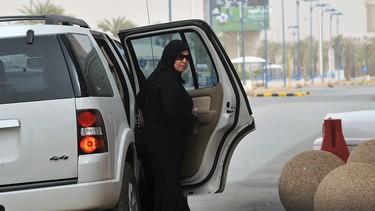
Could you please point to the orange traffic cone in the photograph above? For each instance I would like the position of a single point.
(333, 139)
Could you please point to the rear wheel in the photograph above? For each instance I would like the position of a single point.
(129, 195)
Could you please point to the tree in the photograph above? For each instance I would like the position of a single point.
(316, 57)
(349, 48)
(41, 8)
(366, 54)
(115, 25)
(337, 51)
(274, 51)
(371, 54)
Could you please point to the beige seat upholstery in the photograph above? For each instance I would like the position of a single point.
(209, 103)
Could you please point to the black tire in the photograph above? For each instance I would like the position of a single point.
(129, 196)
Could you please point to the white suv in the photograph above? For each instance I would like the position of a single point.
(67, 112)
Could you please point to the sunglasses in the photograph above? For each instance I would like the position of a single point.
(182, 57)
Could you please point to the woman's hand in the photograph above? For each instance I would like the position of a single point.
(194, 130)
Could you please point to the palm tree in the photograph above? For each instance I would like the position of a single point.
(337, 50)
(305, 57)
(274, 51)
(371, 52)
(350, 49)
(366, 54)
(41, 8)
(291, 48)
(115, 25)
(316, 57)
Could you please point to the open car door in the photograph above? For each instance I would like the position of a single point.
(225, 116)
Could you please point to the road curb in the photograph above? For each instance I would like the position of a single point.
(281, 94)
(356, 83)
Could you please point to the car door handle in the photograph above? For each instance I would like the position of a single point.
(9, 123)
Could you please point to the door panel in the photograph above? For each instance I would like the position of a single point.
(208, 101)
(119, 72)
(224, 112)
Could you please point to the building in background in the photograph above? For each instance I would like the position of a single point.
(370, 7)
(226, 16)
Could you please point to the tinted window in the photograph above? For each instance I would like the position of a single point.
(91, 66)
(201, 72)
(33, 72)
(203, 65)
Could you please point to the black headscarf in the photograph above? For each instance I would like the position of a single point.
(166, 63)
(170, 53)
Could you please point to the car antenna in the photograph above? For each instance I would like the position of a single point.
(148, 13)
(149, 23)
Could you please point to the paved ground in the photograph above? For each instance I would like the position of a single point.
(285, 127)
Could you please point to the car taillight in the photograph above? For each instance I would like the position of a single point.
(91, 132)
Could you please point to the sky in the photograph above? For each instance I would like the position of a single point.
(352, 22)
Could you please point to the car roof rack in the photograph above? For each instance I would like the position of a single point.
(48, 20)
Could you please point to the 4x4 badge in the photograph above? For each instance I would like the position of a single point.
(56, 158)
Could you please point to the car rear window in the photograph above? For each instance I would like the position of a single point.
(33, 72)
(91, 66)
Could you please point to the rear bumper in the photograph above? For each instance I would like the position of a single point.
(83, 196)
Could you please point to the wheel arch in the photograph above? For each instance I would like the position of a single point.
(132, 159)
(127, 153)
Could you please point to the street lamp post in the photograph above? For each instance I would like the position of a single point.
(330, 51)
(311, 48)
(298, 45)
(311, 44)
(265, 4)
(210, 7)
(284, 48)
(170, 10)
(337, 14)
(243, 41)
(321, 63)
(294, 33)
(330, 44)
(320, 6)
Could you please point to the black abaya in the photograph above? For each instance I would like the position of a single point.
(167, 109)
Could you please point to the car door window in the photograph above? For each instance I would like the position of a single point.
(201, 72)
(204, 67)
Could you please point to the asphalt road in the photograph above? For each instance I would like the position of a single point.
(285, 127)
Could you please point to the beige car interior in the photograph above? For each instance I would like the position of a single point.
(209, 103)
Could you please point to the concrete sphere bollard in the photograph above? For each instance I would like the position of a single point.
(363, 153)
(348, 187)
(299, 85)
(301, 176)
(330, 84)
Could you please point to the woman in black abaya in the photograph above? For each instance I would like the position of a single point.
(167, 110)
